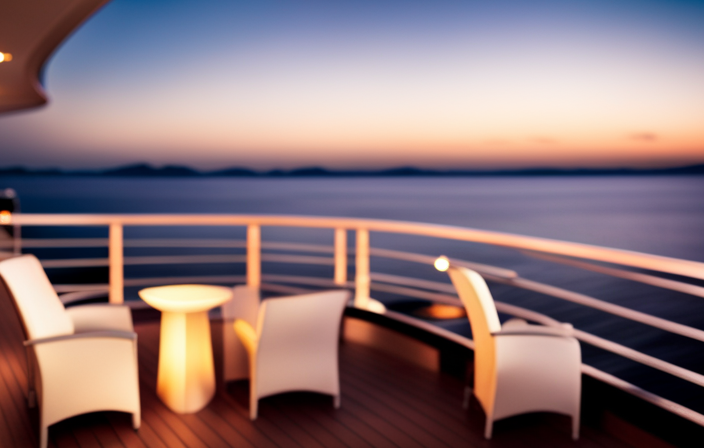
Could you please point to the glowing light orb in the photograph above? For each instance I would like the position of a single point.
(442, 264)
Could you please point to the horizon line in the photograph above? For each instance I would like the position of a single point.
(172, 170)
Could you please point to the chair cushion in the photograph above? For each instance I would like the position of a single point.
(41, 310)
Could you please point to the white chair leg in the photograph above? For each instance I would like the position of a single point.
(43, 436)
(136, 420)
(336, 401)
(253, 405)
(488, 428)
(575, 427)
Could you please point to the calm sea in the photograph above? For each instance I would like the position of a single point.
(657, 215)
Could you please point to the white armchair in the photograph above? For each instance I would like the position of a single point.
(80, 360)
(294, 346)
(518, 368)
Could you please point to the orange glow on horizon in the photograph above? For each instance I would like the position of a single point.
(263, 124)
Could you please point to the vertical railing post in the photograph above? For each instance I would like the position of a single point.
(115, 255)
(254, 265)
(361, 298)
(6, 220)
(17, 236)
(341, 257)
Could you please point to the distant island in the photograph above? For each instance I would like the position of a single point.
(146, 170)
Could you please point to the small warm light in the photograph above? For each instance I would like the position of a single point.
(5, 217)
(5, 57)
(442, 264)
(441, 311)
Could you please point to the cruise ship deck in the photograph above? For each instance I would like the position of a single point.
(386, 402)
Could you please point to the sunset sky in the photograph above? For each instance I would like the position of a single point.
(372, 83)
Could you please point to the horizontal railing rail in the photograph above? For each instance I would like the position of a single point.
(256, 252)
(669, 265)
(647, 279)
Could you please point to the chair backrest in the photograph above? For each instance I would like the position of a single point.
(298, 327)
(42, 313)
(477, 299)
(243, 305)
(484, 320)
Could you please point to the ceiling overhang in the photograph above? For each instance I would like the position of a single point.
(30, 30)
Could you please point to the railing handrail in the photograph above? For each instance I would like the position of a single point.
(687, 268)
(497, 274)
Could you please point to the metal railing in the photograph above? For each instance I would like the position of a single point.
(365, 281)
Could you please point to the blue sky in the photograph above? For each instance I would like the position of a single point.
(372, 84)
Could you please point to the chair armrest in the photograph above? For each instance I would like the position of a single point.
(247, 335)
(564, 330)
(88, 318)
(112, 334)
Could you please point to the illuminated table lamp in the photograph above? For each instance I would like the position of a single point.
(186, 376)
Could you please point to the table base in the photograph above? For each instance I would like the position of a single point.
(186, 376)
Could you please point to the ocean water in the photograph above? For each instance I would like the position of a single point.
(658, 215)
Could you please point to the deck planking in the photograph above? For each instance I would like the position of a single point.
(386, 402)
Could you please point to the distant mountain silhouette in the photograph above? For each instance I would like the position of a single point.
(309, 171)
(146, 170)
(234, 172)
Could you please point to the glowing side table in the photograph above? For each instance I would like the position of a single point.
(186, 376)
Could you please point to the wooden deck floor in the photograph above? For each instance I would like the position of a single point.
(386, 402)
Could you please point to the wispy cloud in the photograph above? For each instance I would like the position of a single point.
(543, 140)
(644, 137)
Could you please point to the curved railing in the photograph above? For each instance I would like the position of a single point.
(364, 282)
